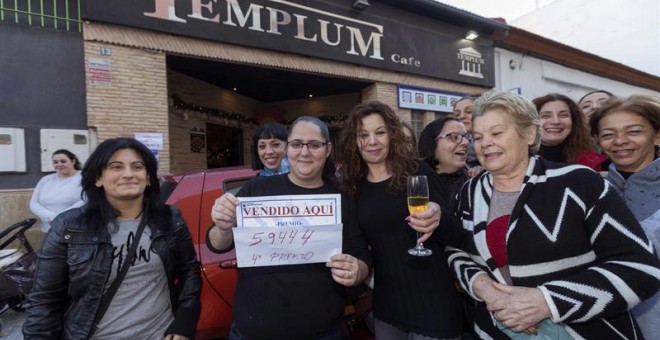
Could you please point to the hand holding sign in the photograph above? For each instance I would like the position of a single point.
(223, 214)
(346, 269)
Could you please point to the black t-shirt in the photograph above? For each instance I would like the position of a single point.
(294, 301)
(415, 294)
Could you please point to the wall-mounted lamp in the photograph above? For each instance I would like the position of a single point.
(471, 35)
(361, 4)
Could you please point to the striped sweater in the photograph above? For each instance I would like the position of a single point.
(571, 236)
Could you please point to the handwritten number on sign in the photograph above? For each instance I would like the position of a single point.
(256, 237)
(307, 235)
(292, 235)
(281, 237)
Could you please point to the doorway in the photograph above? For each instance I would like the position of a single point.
(224, 146)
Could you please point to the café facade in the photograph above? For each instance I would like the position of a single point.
(194, 78)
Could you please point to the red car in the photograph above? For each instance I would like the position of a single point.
(194, 194)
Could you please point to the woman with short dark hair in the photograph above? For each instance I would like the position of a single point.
(443, 145)
(269, 150)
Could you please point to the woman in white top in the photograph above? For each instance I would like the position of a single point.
(57, 192)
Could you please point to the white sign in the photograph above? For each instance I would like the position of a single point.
(99, 72)
(283, 230)
(275, 246)
(152, 140)
(412, 98)
(289, 211)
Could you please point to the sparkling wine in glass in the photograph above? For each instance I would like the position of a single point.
(418, 201)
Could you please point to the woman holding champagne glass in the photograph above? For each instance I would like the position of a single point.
(414, 296)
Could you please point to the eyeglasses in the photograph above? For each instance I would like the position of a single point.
(454, 137)
(313, 145)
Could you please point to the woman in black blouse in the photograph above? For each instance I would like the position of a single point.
(414, 297)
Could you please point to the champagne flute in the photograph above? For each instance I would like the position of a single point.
(418, 201)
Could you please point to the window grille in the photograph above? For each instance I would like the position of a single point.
(56, 14)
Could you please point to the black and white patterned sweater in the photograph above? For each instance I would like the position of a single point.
(571, 236)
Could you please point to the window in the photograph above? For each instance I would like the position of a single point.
(417, 121)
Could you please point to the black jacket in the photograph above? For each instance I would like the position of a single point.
(73, 267)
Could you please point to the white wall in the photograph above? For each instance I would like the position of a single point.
(536, 77)
(627, 32)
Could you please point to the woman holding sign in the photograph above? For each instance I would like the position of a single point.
(303, 301)
(414, 296)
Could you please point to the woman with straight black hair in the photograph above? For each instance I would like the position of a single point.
(123, 266)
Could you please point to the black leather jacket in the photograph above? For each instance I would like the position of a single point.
(73, 267)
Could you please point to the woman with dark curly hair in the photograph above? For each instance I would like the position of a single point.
(414, 297)
(564, 134)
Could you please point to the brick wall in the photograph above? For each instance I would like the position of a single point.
(136, 98)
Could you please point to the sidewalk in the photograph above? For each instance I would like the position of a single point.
(11, 325)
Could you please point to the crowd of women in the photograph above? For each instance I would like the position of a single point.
(528, 239)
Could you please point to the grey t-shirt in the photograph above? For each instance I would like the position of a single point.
(141, 307)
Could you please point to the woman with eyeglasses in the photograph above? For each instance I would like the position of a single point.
(58, 192)
(304, 301)
(269, 150)
(628, 131)
(413, 297)
(443, 145)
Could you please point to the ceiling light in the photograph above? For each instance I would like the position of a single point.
(310, 96)
(235, 89)
(471, 35)
(361, 4)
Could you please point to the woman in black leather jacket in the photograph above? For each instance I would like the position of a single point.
(84, 251)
